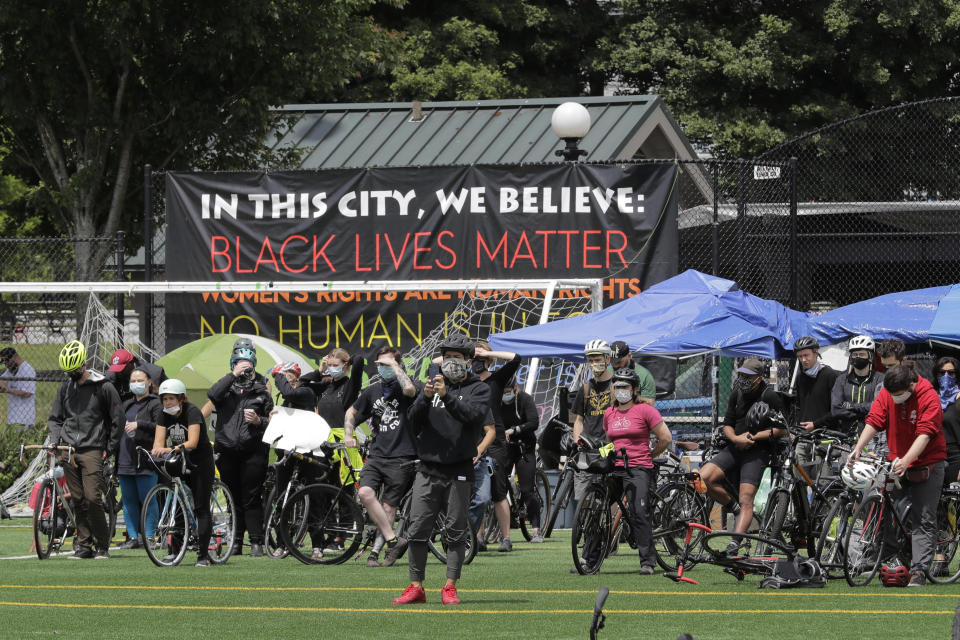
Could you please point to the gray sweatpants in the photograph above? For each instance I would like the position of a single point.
(924, 498)
(434, 494)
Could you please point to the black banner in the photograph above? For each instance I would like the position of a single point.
(616, 222)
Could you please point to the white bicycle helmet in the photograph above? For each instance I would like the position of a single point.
(861, 342)
(597, 346)
(172, 386)
(859, 477)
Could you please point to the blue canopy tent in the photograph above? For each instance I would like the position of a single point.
(691, 313)
(916, 316)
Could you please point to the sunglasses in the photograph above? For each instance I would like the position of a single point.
(950, 372)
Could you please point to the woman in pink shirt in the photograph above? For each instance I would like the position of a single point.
(629, 425)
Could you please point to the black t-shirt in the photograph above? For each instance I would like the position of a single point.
(497, 380)
(178, 431)
(592, 401)
(738, 405)
(393, 434)
(951, 432)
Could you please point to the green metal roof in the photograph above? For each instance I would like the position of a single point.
(475, 132)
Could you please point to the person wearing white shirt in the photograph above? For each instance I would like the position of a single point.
(19, 382)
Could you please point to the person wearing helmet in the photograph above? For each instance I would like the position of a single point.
(450, 413)
(86, 414)
(122, 364)
(620, 358)
(183, 428)
(814, 385)
(590, 404)
(243, 407)
(390, 464)
(520, 421)
(143, 411)
(750, 445)
(629, 424)
(908, 409)
(946, 383)
(855, 390)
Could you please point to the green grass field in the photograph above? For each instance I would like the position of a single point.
(525, 594)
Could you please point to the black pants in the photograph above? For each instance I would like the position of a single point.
(244, 473)
(506, 458)
(201, 486)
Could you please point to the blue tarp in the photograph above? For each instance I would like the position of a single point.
(688, 314)
(911, 316)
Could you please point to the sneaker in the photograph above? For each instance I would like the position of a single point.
(202, 561)
(373, 560)
(939, 569)
(132, 543)
(334, 546)
(505, 546)
(917, 579)
(646, 570)
(150, 543)
(101, 554)
(170, 557)
(395, 551)
(412, 595)
(317, 553)
(82, 553)
(536, 539)
(256, 550)
(481, 544)
(573, 569)
(448, 595)
(237, 548)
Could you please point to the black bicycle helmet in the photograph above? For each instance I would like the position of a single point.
(806, 342)
(758, 416)
(459, 343)
(244, 343)
(626, 375)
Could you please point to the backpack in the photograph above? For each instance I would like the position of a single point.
(795, 572)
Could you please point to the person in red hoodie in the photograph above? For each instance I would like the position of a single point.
(908, 408)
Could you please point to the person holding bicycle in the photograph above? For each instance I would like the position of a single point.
(243, 407)
(520, 422)
(143, 411)
(855, 391)
(629, 423)
(749, 447)
(450, 415)
(590, 405)
(389, 467)
(945, 383)
(908, 409)
(182, 427)
(86, 414)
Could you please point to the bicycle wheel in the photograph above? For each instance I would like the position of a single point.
(108, 496)
(223, 518)
(863, 542)
(542, 487)
(45, 527)
(273, 507)
(490, 524)
(829, 551)
(172, 537)
(774, 515)
(591, 532)
(945, 568)
(559, 502)
(331, 516)
(681, 505)
(438, 541)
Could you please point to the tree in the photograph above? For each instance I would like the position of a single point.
(744, 76)
(91, 91)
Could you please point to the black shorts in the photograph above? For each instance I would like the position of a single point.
(750, 462)
(392, 477)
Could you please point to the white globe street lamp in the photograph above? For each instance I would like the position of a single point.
(570, 122)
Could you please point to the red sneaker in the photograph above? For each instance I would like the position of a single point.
(413, 595)
(448, 595)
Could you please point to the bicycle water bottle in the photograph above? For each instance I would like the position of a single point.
(773, 376)
(53, 474)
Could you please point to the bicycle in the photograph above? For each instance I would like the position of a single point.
(176, 523)
(277, 498)
(53, 517)
(518, 508)
(437, 543)
(866, 544)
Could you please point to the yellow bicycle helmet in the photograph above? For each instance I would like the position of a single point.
(73, 355)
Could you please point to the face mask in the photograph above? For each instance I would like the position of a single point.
(623, 396)
(138, 388)
(478, 366)
(813, 371)
(948, 390)
(598, 368)
(172, 411)
(453, 368)
(509, 396)
(335, 372)
(76, 375)
(860, 363)
(746, 385)
(386, 372)
(900, 398)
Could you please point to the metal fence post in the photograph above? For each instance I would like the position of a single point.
(120, 277)
(146, 332)
(794, 249)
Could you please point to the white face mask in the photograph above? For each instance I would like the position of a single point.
(138, 388)
(623, 395)
(174, 410)
(598, 368)
(900, 398)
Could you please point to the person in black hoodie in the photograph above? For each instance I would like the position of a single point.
(291, 393)
(336, 384)
(243, 407)
(86, 414)
(143, 411)
(814, 386)
(520, 422)
(449, 414)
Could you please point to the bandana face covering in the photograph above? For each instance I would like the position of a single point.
(948, 390)
(813, 371)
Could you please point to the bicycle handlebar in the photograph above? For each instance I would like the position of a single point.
(46, 447)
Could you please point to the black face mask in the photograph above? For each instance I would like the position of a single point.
(747, 388)
(479, 366)
(860, 363)
(248, 374)
(76, 375)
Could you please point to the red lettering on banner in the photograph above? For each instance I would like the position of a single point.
(418, 249)
(397, 259)
(283, 249)
(589, 247)
(239, 270)
(528, 255)
(356, 255)
(265, 247)
(453, 256)
(492, 256)
(214, 253)
(322, 253)
(567, 233)
(618, 251)
(546, 247)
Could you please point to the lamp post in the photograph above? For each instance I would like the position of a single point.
(570, 122)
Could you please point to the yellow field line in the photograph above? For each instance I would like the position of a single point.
(725, 611)
(792, 594)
